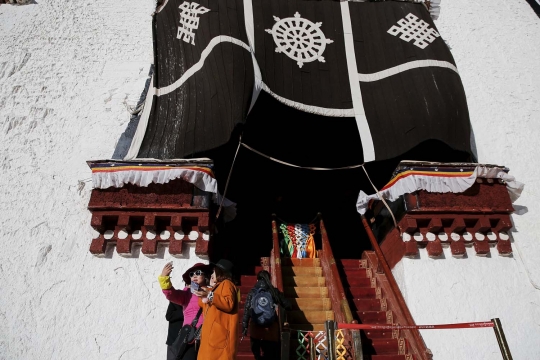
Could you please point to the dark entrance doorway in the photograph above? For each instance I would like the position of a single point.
(262, 187)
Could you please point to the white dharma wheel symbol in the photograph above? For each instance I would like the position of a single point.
(299, 39)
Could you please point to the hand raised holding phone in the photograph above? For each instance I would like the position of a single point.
(167, 269)
(194, 287)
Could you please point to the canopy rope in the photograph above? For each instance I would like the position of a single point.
(240, 143)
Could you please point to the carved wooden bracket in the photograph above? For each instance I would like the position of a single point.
(170, 214)
(478, 218)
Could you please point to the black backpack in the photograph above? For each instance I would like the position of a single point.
(263, 308)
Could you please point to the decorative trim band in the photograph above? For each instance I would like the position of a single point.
(199, 64)
(404, 67)
(309, 108)
(457, 181)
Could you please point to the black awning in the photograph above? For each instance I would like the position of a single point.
(352, 81)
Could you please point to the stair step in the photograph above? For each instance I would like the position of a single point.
(391, 357)
(352, 263)
(248, 280)
(304, 281)
(244, 346)
(366, 305)
(311, 303)
(251, 270)
(305, 292)
(259, 268)
(380, 334)
(244, 290)
(301, 262)
(245, 355)
(306, 327)
(361, 292)
(356, 273)
(301, 270)
(357, 282)
(375, 317)
(309, 316)
(385, 346)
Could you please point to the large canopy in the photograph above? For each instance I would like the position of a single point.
(376, 76)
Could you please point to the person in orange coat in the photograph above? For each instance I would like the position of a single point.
(219, 334)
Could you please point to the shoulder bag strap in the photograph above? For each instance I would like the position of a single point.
(196, 320)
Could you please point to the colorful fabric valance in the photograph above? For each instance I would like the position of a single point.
(143, 172)
(107, 173)
(412, 176)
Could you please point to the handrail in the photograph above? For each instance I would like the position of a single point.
(501, 339)
(276, 259)
(277, 281)
(418, 345)
(335, 287)
(336, 291)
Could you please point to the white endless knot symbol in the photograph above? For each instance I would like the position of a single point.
(299, 39)
(189, 20)
(413, 29)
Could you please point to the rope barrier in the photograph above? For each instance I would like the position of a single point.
(384, 202)
(298, 166)
(228, 178)
(469, 325)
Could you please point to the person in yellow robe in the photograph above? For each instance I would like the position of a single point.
(219, 336)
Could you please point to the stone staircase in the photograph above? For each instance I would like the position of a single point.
(370, 306)
(370, 299)
(305, 286)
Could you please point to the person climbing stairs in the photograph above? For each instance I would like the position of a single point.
(247, 281)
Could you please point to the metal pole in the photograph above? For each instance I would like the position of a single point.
(285, 343)
(312, 351)
(331, 337)
(501, 339)
(357, 343)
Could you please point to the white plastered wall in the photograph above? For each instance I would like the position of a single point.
(66, 70)
(497, 50)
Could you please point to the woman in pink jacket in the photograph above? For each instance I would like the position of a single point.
(198, 273)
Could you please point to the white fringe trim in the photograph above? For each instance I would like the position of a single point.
(414, 183)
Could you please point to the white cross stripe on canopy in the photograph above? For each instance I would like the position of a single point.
(359, 112)
(404, 67)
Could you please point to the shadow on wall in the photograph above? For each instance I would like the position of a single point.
(535, 4)
(19, 2)
(473, 146)
(124, 143)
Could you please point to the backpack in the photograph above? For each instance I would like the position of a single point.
(263, 311)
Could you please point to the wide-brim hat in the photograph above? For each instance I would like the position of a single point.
(207, 269)
(225, 265)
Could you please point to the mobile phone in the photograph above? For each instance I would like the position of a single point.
(194, 286)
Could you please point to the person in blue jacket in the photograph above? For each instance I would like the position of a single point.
(264, 339)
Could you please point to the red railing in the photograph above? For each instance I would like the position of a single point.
(277, 281)
(336, 291)
(275, 259)
(416, 341)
